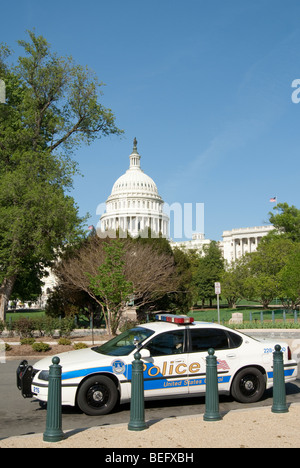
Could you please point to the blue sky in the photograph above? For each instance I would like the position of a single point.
(204, 86)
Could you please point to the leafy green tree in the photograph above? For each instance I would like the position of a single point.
(264, 267)
(233, 281)
(289, 279)
(210, 269)
(53, 106)
(286, 220)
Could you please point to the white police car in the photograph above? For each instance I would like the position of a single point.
(173, 350)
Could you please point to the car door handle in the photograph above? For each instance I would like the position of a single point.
(231, 355)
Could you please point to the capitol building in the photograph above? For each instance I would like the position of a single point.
(135, 206)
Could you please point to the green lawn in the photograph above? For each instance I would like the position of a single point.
(253, 315)
(24, 313)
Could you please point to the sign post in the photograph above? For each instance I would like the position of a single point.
(218, 292)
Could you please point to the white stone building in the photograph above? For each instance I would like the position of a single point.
(197, 242)
(238, 242)
(235, 243)
(134, 204)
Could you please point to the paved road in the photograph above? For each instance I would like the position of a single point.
(19, 416)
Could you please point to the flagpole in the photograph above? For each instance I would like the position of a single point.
(275, 200)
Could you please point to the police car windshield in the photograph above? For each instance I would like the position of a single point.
(124, 344)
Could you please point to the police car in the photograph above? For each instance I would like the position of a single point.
(173, 350)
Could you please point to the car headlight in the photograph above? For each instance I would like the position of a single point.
(44, 375)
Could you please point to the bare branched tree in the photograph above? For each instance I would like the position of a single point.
(151, 273)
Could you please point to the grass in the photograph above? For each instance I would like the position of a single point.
(82, 320)
(251, 317)
(32, 314)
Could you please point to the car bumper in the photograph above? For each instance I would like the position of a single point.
(25, 374)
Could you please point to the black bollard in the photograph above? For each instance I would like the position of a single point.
(137, 405)
(53, 432)
(212, 395)
(279, 394)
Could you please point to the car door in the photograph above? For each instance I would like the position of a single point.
(165, 372)
(200, 340)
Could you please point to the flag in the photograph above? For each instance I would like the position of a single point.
(273, 199)
(222, 365)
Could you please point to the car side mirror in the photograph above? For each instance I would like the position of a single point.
(145, 353)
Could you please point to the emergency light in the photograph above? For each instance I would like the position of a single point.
(172, 318)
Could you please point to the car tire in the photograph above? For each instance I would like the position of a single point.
(97, 395)
(248, 385)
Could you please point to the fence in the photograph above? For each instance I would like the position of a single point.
(274, 315)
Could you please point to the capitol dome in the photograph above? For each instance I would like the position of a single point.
(134, 204)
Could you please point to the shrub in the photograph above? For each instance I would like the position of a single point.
(8, 347)
(27, 341)
(49, 325)
(41, 347)
(64, 341)
(80, 345)
(66, 326)
(24, 327)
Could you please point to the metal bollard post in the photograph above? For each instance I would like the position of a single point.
(279, 394)
(212, 394)
(53, 432)
(137, 406)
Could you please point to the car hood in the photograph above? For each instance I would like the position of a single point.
(75, 359)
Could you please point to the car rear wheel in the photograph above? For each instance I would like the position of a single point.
(97, 395)
(249, 385)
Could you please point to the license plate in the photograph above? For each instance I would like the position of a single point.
(36, 390)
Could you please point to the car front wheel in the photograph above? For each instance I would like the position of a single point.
(249, 385)
(97, 395)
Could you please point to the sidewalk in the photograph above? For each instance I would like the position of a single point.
(249, 428)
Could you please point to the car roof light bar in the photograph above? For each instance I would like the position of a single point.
(172, 318)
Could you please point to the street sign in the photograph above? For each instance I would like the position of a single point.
(218, 292)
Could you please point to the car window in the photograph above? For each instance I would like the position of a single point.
(204, 338)
(235, 340)
(125, 343)
(171, 342)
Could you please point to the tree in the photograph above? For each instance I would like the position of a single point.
(286, 220)
(150, 271)
(110, 287)
(209, 271)
(182, 297)
(53, 106)
(289, 279)
(233, 281)
(264, 267)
